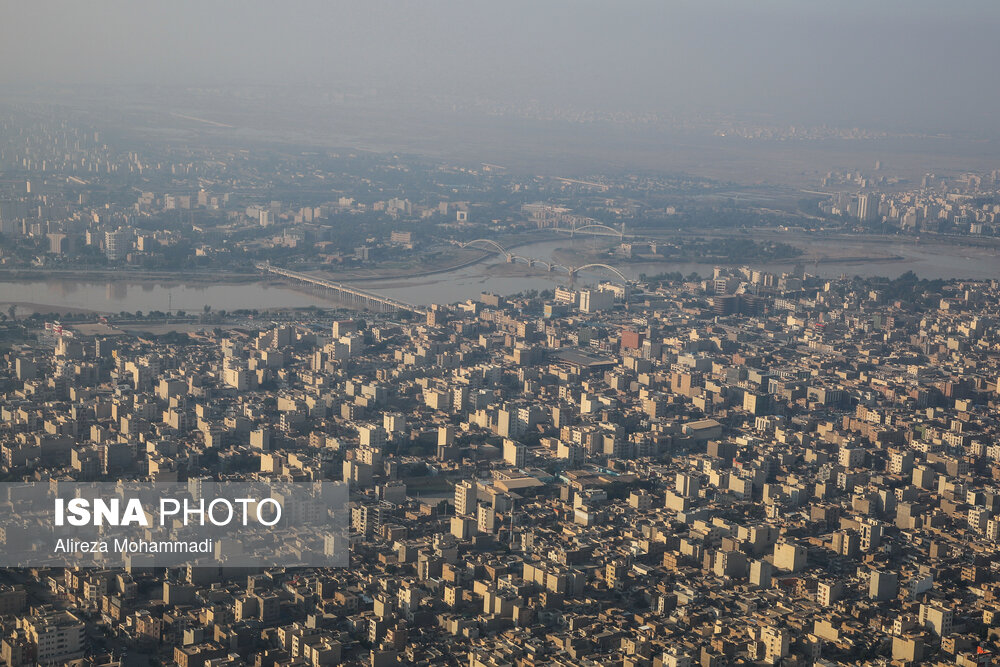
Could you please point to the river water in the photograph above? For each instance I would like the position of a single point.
(830, 257)
(61, 295)
(825, 257)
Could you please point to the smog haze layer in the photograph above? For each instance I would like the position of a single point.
(753, 92)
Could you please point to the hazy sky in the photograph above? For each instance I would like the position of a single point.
(929, 64)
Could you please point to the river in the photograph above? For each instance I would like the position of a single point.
(114, 296)
(828, 257)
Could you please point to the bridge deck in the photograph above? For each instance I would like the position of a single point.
(352, 294)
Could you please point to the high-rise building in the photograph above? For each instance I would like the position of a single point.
(883, 585)
(867, 207)
(687, 485)
(514, 453)
(58, 636)
(117, 244)
(789, 557)
(592, 300)
(936, 619)
(776, 643)
(465, 497)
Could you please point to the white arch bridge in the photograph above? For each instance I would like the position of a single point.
(592, 228)
(511, 257)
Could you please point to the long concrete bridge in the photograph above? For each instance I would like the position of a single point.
(346, 293)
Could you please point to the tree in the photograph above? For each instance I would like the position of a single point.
(12, 312)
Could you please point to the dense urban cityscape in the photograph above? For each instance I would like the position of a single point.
(693, 473)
